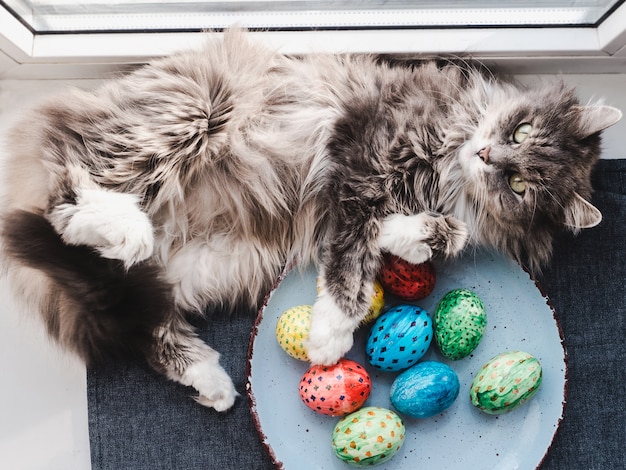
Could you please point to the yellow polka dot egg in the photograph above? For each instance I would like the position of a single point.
(292, 329)
(378, 302)
(369, 436)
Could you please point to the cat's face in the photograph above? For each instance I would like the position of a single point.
(527, 167)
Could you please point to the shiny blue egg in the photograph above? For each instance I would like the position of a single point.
(425, 389)
(399, 338)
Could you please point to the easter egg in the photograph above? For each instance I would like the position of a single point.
(505, 382)
(424, 390)
(378, 302)
(335, 390)
(376, 305)
(369, 436)
(292, 329)
(399, 338)
(460, 320)
(406, 280)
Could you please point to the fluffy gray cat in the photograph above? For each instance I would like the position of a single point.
(190, 183)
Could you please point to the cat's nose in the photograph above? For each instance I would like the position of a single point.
(484, 154)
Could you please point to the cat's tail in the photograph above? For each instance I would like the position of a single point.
(90, 304)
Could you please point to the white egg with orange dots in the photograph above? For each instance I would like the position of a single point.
(367, 437)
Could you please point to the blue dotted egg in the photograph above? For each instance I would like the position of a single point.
(399, 338)
(425, 390)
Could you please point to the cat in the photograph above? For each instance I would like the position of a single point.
(190, 183)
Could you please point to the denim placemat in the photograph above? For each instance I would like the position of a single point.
(586, 286)
(138, 420)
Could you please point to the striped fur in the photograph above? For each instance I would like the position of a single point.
(193, 181)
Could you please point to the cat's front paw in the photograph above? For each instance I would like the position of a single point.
(215, 387)
(330, 335)
(416, 238)
(453, 235)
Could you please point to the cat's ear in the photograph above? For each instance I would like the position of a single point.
(597, 118)
(581, 214)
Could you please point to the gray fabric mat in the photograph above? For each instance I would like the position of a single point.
(138, 420)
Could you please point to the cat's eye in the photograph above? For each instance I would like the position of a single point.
(521, 132)
(517, 183)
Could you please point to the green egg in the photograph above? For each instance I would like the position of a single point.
(505, 382)
(460, 320)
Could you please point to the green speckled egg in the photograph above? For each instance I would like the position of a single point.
(505, 382)
(460, 321)
(292, 329)
(369, 436)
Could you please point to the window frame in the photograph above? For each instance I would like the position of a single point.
(596, 49)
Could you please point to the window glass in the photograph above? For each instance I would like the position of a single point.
(54, 16)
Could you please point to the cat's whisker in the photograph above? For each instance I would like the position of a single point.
(533, 195)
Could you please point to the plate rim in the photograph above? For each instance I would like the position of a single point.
(249, 392)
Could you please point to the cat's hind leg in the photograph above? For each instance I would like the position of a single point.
(102, 311)
(183, 357)
(111, 222)
(417, 238)
(222, 271)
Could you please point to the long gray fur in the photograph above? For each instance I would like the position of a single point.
(193, 181)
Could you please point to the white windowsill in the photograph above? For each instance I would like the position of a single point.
(529, 50)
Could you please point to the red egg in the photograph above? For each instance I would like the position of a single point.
(406, 280)
(335, 390)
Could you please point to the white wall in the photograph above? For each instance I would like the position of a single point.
(610, 88)
(43, 400)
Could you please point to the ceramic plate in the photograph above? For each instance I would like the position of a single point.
(518, 318)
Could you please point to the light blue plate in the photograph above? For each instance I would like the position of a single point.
(518, 318)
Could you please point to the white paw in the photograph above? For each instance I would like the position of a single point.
(405, 236)
(330, 335)
(457, 235)
(416, 238)
(110, 222)
(215, 388)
